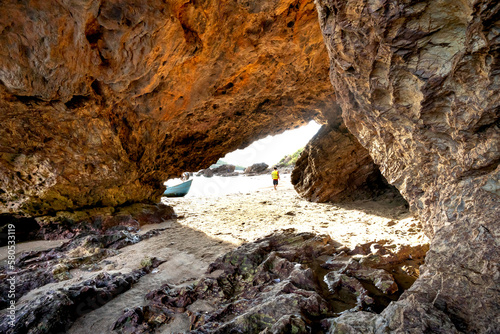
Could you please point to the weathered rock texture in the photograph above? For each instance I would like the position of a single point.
(419, 86)
(55, 311)
(334, 167)
(102, 101)
(95, 235)
(285, 283)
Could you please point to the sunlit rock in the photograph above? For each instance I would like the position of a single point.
(101, 102)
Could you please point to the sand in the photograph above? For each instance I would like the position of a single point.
(248, 216)
(207, 227)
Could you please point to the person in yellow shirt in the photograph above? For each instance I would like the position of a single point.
(276, 176)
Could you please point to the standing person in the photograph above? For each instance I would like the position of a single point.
(276, 176)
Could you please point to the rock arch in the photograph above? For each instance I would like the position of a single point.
(103, 101)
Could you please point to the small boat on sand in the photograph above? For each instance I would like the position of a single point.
(179, 190)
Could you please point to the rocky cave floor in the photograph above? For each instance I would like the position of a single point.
(260, 262)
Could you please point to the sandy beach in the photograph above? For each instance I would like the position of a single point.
(209, 225)
(237, 217)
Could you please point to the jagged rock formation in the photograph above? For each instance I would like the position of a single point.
(418, 83)
(281, 281)
(274, 285)
(334, 167)
(55, 311)
(95, 235)
(102, 101)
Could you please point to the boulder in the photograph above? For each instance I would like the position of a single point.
(223, 170)
(205, 172)
(257, 168)
(335, 167)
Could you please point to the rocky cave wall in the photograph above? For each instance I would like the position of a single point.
(335, 167)
(102, 101)
(419, 86)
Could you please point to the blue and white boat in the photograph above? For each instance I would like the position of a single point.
(179, 190)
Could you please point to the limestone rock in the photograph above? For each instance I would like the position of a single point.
(418, 84)
(101, 102)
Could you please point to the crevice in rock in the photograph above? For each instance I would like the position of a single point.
(78, 101)
(281, 281)
(488, 121)
(25, 228)
(477, 172)
(97, 87)
(30, 100)
(56, 311)
(93, 32)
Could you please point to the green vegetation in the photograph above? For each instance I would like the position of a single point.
(147, 261)
(222, 162)
(290, 160)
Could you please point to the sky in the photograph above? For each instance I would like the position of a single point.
(273, 148)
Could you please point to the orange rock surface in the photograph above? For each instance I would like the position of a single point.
(102, 102)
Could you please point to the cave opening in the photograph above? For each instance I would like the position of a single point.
(379, 244)
(180, 84)
(249, 169)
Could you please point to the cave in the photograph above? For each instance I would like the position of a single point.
(102, 101)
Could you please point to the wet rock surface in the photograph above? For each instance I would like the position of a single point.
(418, 86)
(56, 311)
(95, 235)
(286, 283)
